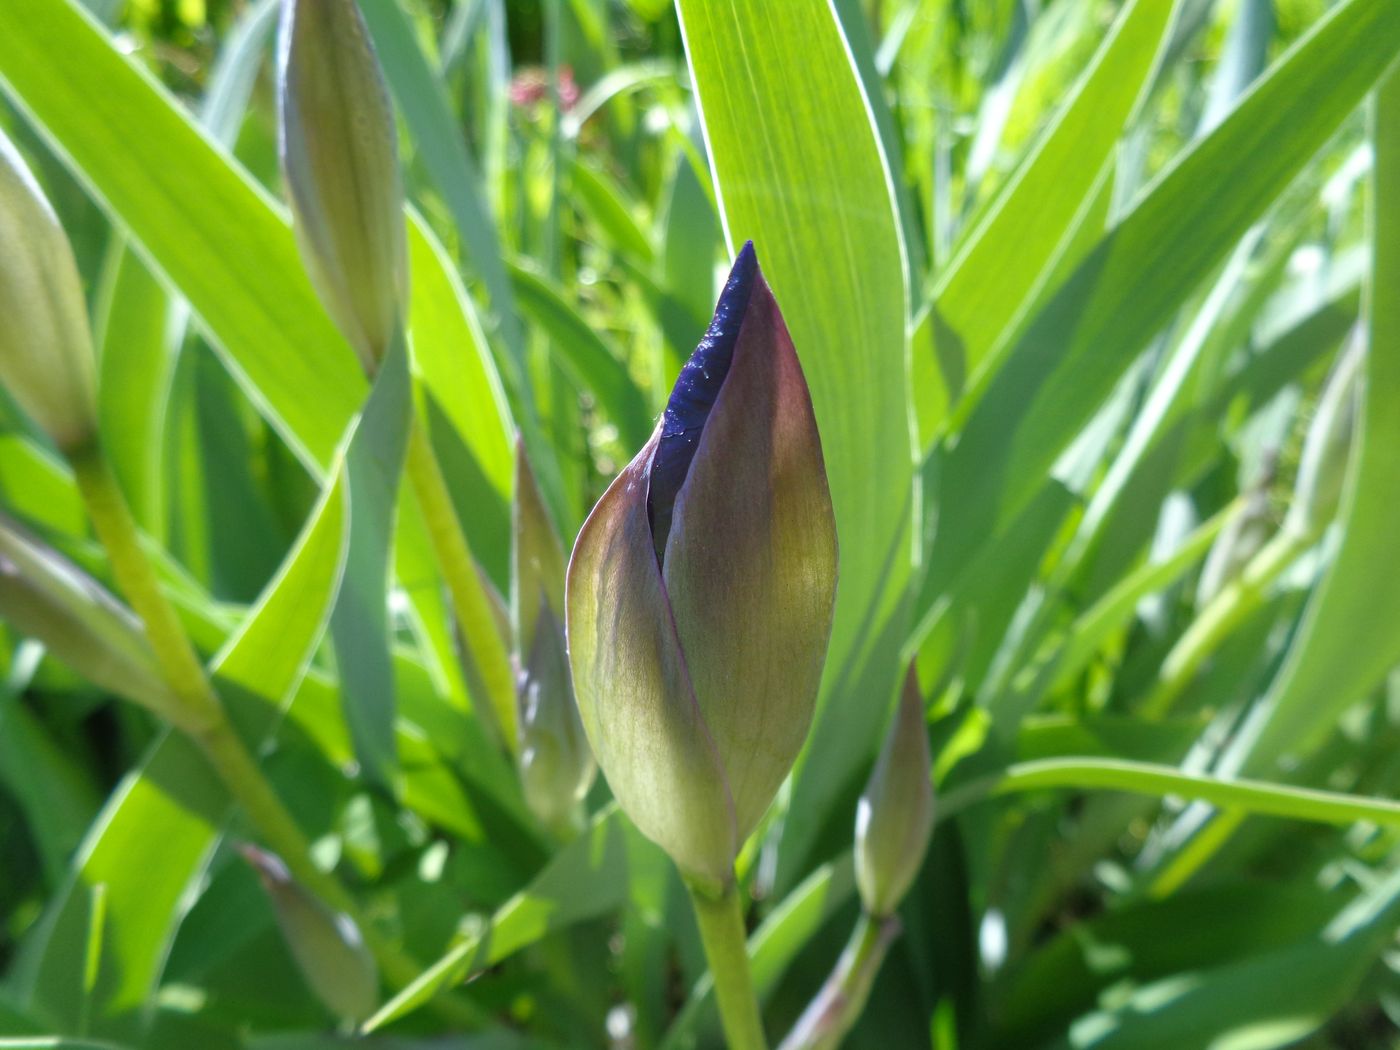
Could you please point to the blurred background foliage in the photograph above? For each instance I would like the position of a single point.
(1125, 563)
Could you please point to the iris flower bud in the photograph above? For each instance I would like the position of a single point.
(339, 155)
(327, 945)
(45, 343)
(556, 765)
(47, 597)
(700, 592)
(894, 819)
(1243, 536)
(1322, 468)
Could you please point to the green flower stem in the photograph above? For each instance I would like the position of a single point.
(1195, 853)
(1225, 612)
(721, 921)
(199, 710)
(202, 715)
(842, 998)
(483, 642)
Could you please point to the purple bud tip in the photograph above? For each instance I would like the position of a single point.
(694, 395)
(271, 871)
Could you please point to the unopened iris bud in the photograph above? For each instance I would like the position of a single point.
(537, 557)
(340, 161)
(556, 765)
(327, 945)
(894, 819)
(45, 343)
(48, 598)
(1243, 536)
(701, 588)
(1322, 468)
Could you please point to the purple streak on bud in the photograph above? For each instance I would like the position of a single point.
(694, 395)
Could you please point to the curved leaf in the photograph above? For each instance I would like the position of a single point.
(1351, 635)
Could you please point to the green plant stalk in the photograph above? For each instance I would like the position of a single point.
(842, 998)
(1031, 675)
(203, 717)
(1195, 853)
(1225, 612)
(483, 643)
(721, 921)
(200, 711)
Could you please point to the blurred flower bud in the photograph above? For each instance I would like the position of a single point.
(700, 592)
(894, 819)
(48, 598)
(326, 945)
(1323, 467)
(340, 162)
(45, 343)
(537, 557)
(1243, 536)
(556, 764)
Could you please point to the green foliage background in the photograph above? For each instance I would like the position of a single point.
(1067, 279)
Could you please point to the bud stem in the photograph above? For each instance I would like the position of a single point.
(721, 921)
(487, 656)
(1220, 617)
(200, 711)
(202, 716)
(842, 998)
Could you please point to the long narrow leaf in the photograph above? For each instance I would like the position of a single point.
(1000, 261)
(1128, 287)
(1351, 636)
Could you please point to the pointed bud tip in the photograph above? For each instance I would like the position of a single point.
(894, 821)
(268, 866)
(537, 557)
(694, 395)
(327, 946)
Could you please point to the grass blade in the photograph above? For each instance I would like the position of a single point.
(1146, 778)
